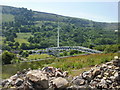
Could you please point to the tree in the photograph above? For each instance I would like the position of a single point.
(23, 46)
(10, 38)
(10, 43)
(74, 52)
(5, 47)
(65, 53)
(25, 54)
(7, 57)
(16, 44)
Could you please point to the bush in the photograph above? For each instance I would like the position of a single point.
(7, 57)
(61, 54)
(74, 52)
(65, 53)
(30, 52)
(25, 54)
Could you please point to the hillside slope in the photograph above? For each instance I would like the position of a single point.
(43, 27)
(43, 16)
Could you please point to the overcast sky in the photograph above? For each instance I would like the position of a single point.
(99, 10)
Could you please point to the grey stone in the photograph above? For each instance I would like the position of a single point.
(18, 82)
(96, 72)
(87, 75)
(109, 81)
(38, 77)
(99, 76)
(93, 84)
(65, 74)
(109, 63)
(4, 82)
(60, 82)
(79, 82)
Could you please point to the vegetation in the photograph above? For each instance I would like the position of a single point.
(108, 48)
(7, 57)
(33, 30)
(81, 61)
(7, 18)
(39, 56)
(71, 52)
(69, 63)
(25, 30)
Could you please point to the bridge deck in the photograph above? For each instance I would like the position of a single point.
(79, 48)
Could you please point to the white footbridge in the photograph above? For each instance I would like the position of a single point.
(79, 48)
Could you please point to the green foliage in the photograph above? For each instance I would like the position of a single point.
(7, 57)
(23, 35)
(16, 44)
(15, 61)
(108, 48)
(21, 41)
(7, 18)
(38, 56)
(21, 51)
(25, 54)
(30, 52)
(74, 52)
(65, 53)
(61, 54)
(68, 64)
(39, 30)
(6, 47)
(23, 46)
(78, 62)
(103, 41)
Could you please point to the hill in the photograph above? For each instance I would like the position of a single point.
(43, 29)
(43, 16)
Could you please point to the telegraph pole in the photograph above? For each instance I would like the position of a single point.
(58, 35)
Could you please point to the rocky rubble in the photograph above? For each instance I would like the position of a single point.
(105, 76)
(48, 77)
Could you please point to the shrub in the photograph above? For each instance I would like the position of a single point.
(7, 57)
(65, 53)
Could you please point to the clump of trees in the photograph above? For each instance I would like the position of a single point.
(7, 57)
(71, 52)
(108, 48)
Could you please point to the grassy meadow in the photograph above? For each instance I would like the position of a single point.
(22, 37)
(21, 40)
(71, 63)
(75, 65)
(2, 40)
(39, 56)
(7, 17)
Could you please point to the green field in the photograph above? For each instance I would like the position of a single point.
(38, 56)
(21, 40)
(71, 64)
(7, 18)
(77, 62)
(22, 37)
(1, 40)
